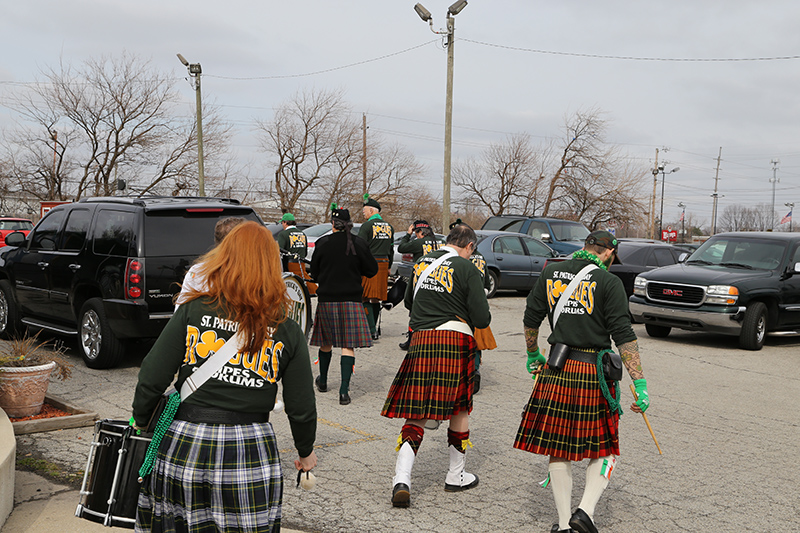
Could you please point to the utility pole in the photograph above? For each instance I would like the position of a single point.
(775, 179)
(364, 151)
(195, 70)
(715, 196)
(653, 200)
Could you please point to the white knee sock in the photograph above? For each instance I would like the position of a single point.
(561, 483)
(597, 475)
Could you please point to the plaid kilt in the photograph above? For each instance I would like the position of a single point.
(377, 287)
(341, 324)
(435, 379)
(213, 477)
(568, 417)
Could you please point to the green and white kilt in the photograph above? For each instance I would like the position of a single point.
(435, 379)
(213, 477)
(341, 324)
(568, 417)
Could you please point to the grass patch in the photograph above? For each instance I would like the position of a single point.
(47, 469)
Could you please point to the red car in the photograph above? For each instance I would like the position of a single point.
(10, 225)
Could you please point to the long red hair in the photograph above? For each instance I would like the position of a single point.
(244, 281)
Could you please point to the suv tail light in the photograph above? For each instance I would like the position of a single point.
(134, 279)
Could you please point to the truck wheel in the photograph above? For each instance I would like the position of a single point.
(754, 327)
(99, 347)
(492, 283)
(657, 331)
(9, 318)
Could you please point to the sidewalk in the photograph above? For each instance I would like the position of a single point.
(42, 506)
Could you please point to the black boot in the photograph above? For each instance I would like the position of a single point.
(405, 345)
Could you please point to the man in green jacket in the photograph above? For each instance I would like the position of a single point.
(379, 236)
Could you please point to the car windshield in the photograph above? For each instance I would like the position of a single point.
(16, 225)
(765, 255)
(318, 230)
(569, 231)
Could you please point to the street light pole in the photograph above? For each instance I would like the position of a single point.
(683, 227)
(450, 32)
(663, 179)
(195, 70)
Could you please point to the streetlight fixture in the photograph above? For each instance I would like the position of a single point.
(790, 205)
(195, 70)
(683, 227)
(663, 178)
(450, 32)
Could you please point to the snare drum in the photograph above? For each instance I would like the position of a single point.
(110, 489)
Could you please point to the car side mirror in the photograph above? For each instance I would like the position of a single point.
(16, 238)
(786, 275)
(546, 237)
(683, 257)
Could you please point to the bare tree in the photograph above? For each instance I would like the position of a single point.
(107, 119)
(312, 139)
(505, 179)
(740, 217)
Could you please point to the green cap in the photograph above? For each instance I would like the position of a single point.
(287, 217)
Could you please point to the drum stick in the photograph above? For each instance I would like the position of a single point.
(646, 421)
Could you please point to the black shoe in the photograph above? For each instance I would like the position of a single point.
(344, 399)
(555, 529)
(322, 387)
(404, 345)
(476, 383)
(375, 336)
(401, 495)
(581, 522)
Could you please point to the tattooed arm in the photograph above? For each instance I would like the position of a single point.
(629, 351)
(532, 339)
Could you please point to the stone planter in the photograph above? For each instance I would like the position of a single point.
(22, 389)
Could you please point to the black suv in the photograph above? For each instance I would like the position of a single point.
(741, 283)
(106, 269)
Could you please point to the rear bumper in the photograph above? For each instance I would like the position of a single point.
(725, 320)
(132, 320)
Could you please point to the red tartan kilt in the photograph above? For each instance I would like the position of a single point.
(377, 287)
(435, 379)
(568, 417)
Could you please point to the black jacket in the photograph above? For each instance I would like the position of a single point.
(337, 273)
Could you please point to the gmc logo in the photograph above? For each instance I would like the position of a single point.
(672, 292)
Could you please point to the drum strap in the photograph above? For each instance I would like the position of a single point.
(211, 366)
(580, 276)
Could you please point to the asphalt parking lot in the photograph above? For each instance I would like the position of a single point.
(724, 418)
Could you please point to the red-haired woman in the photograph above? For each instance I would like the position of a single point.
(218, 466)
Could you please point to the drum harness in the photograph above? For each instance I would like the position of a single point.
(213, 365)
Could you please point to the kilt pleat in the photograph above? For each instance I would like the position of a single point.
(377, 287)
(435, 378)
(341, 324)
(213, 477)
(568, 417)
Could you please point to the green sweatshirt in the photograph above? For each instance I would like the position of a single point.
(379, 236)
(454, 290)
(247, 383)
(293, 240)
(597, 310)
(419, 247)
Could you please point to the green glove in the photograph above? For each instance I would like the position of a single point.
(641, 391)
(535, 360)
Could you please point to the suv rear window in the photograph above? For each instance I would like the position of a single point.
(115, 232)
(184, 232)
(503, 224)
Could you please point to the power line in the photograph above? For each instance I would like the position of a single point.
(635, 58)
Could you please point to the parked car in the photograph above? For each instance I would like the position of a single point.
(277, 228)
(319, 230)
(106, 269)
(563, 236)
(741, 283)
(11, 224)
(513, 261)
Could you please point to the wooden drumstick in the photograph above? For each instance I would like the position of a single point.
(646, 421)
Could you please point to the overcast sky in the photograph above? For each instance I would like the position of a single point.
(520, 66)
